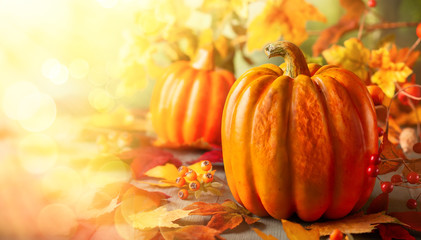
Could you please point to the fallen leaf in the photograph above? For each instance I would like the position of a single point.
(146, 158)
(348, 22)
(159, 217)
(379, 204)
(393, 231)
(263, 235)
(168, 172)
(295, 231)
(285, 18)
(401, 55)
(412, 219)
(193, 232)
(390, 151)
(227, 215)
(354, 224)
(353, 56)
(213, 156)
(94, 212)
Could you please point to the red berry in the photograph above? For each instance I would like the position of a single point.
(371, 3)
(417, 147)
(206, 165)
(373, 171)
(375, 159)
(411, 203)
(182, 171)
(396, 179)
(194, 186)
(380, 131)
(387, 187)
(412, 91)
(183, 194)
(207, 177)
(336, 235)
(419, 30)
(413, 177)
(180, 181)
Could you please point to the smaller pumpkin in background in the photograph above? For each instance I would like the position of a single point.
(188, 100)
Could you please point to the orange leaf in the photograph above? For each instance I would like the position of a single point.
(390, 151)
(222, 222)
(348, 22)
(285, 18)
(264, 236)
(295, 231)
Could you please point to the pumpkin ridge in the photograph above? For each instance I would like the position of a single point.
(187, 103)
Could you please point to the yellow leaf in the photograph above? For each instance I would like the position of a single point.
(222, 45)
(149, 24)
(353, 56)
(286, 18)
(168, 172)
(159, 217)
(263, 235)
(354, 224)
(295, 231)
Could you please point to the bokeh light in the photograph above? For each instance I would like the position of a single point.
(101, 100)
(14, 94)
(38, 112)
(79, 68)
(37, 153)
(108, 3)
(57, 220)
(111, 172)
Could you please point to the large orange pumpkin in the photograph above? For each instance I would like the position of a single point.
(187, 102)
(299, 140)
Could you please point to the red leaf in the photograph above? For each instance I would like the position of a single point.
(412, 219)
(393, 231)
(379, 204)
(146, 158)
(213, 156)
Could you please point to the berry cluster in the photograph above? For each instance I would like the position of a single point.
(397, 180)
(189, 181)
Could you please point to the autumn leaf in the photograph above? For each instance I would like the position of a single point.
(379, 204)
(286, 18)
(168, 173)
(393, 231)
(349, 21)
(354, 224)
(263, 235)
(353, 56)
(411, 219)
(213, 156)
(390, 151)
(145, 158)
(227, 215)
(401, 55)
(192, 232)
(388, 72)
(295, 231)
(159, 217)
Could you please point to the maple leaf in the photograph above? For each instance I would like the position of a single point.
(411, 219)
(353, 56)
(227, 215)
(393, 231)
(379, 204)
(213, 156)
(388, 72)
(354, 224)
(286, 18)
(401, 55)
(295, 231)
(349, 21)
(192, 232)
(145, 158)
(390, 151)
(159, 217)
(263, 235)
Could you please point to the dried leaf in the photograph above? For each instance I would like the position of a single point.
(349, 21)
(263, 235)
(379, 204)
(354, 224)
(390, 151)
(393, 231)
(353, 56)
(227, 215)
(412, 219)
(295, 231)
(159, 217)
(213, 156)
(146, 158)
(94, 212)
(285, 18)
(193, 232)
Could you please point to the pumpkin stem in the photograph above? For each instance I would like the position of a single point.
(295, 61)
(204, 58)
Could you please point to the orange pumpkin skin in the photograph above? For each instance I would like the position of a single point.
(187, 102)
(299, 144)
